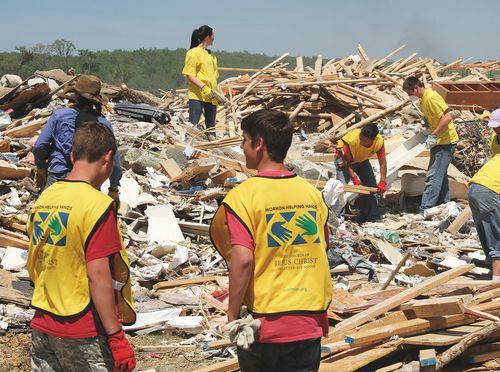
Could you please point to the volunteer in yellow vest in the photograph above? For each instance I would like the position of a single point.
(352, 162)
(272, 231)
(442, 141)
(484, 202)
(494, 122)
(200, 70)
(79, 267)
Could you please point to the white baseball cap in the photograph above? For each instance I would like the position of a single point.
(494, 121)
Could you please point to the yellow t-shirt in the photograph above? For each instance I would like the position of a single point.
(360, 153)
(495, 146)
(202, 65)
(434, 107)
(489, 174)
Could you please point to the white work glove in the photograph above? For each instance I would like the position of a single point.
(219, 97)
(243, 331)
(431, 141)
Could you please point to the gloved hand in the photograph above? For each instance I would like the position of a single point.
(41, 177)
(243, 331)
(431, 141)
(207, 91)
(115, 195)
(219, 97)
(356, 181)
(382, 187)
(123, 354)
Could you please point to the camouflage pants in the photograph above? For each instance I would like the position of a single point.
(53, 354)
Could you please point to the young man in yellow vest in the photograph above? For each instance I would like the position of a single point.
(272, 231)
(442, 141)
(494, 122)
(484, 202)
(79, 267)
(353, 163)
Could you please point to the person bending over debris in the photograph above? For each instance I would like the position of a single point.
(484, 202)
(353, 162)
(494, 122)
(79, 267)
(200, 70)
(442, 141)
(272, 231)
(53, 146)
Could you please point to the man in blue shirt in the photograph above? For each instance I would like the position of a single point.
(53, 146)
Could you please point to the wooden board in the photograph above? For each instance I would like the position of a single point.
(459, 221)
(400, 298)
(427, 357)
(226, 366)
(349, 361)
(182, 282)
(435, 307)
(170, 168)
(10, 171)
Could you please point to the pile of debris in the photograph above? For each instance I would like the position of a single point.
(174, 182)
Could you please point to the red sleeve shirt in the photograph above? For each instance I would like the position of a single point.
(105, 242)
(279, 328)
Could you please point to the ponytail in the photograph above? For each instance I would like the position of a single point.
(200, 34)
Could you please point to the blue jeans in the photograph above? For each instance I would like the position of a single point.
(54, 177)
(369, 203)
(485, 207)
(437, 189)
(197, 107)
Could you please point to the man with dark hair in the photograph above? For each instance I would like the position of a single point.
(53, 146)
(442, 141)
(272, 231)
(352, 162)
(79, 267)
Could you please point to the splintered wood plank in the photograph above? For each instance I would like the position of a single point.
(10, 171)
(300, 64)
(387, 249)
(354, 359)
(459, 221)
(183, 282)
(401, 298)
(363, 53)
(445, 337)
(170, 168)
(317, 66)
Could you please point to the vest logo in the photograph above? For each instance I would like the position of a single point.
(291, 227)
(52, 229)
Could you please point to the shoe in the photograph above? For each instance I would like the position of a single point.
(211, 137)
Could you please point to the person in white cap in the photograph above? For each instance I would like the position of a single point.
(494, 122)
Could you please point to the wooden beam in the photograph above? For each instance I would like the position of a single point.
(183, 282)
(269, 65)
(12, 172)
(400, 298)
(459, 221)
(363, 53)
(170, 168)
(427, 358)
(433, 307)
(372, 118)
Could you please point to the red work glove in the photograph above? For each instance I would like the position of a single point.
(123, 354)
(381, 188)
(355, 180)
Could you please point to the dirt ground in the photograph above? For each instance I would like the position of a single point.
(15, 349)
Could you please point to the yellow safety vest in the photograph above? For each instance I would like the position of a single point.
(434, 107)
(359, 153)
(495, 146)
(286, 218)
(60, 226)
(489, 174)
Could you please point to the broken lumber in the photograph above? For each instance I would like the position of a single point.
(456, 350)
(459, 221)
(433, 307)
(182, 282)
(427, 357)
(396, 270)
(400, 298)
(12, 172)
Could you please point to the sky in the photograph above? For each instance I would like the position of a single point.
(441, 29)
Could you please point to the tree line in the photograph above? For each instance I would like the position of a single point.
(143, 69)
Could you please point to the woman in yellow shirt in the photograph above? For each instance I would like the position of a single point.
(200, 70)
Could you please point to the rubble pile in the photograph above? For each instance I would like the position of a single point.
(405, 281)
